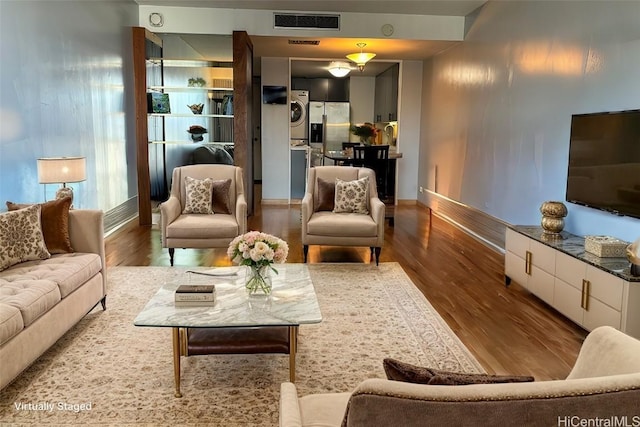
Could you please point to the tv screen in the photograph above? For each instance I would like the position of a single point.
(604, 162)
(274, 95)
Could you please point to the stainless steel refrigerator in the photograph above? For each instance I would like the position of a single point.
(329, 124)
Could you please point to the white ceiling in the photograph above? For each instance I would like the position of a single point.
(315, 59)
(411, 7)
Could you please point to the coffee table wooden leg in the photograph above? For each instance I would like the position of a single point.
(293, 348)
(176, 361)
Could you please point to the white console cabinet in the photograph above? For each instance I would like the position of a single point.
(589, 290)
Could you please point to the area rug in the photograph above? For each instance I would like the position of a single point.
(105, 371)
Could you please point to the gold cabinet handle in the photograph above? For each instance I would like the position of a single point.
(586, 285)
(527, 263)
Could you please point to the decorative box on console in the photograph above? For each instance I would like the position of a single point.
(605, 246)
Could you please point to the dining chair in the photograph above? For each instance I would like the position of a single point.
(347, 148)
(374, 157)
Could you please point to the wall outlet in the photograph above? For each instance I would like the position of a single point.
(421, 189)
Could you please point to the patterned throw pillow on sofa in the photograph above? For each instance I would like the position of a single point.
(21, 237)
(199, 193)
(54, 218)
(351, 196)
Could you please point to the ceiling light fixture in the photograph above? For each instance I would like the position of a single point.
(339, 68)
(361, 58)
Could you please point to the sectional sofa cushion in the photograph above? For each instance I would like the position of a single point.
(11, 322)
(21, 237)
(54, 220)
(67, 271)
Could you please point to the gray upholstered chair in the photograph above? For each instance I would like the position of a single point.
(182, 228)
(604, 383)
(322, 226)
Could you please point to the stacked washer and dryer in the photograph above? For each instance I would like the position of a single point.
(299, 143)
(299, 117)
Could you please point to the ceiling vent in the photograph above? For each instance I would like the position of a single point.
(291, 20)
(305, 42)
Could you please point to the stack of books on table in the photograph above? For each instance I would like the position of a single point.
(195, 295)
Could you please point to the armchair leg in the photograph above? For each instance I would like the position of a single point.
(305, 251)
(171, 252)
(378, 250)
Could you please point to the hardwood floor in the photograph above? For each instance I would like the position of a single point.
(507, 329)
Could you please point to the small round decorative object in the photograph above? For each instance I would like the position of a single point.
(156, 19)
(553, 213)
(387, 30)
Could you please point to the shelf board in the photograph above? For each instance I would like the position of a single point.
(190, 89)
(191, 142)
(221, 116)
(169, 62)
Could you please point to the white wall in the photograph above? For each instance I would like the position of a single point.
(275, 134)
(497, 108)
(409, 116)
(64, 67)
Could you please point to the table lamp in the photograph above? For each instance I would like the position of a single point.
(61, 170)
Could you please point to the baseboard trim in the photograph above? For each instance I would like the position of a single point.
(480, 225)
(121, 214)
(275, 201)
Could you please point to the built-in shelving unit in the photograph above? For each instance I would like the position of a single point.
(214, 90)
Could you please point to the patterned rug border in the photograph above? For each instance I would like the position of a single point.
(135, 386)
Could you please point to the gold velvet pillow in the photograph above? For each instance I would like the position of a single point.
(54, 219)
(220, 196)
(405, 372)
(325, 195)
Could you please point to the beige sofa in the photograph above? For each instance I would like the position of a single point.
(604, 383)
(41, 300)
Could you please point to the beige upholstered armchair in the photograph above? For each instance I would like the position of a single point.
(328, 218)
(206, 207)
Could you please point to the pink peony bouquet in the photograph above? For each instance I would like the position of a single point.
(257, 249)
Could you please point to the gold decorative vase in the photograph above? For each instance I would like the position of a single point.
(553, 213)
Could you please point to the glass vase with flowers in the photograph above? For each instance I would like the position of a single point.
(258, 251)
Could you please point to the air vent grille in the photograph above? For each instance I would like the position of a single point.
(305, 42)
(290, 20)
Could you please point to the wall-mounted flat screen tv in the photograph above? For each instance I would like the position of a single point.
(604, 162)
(274, 95)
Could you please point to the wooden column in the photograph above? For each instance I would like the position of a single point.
(242, 107)
(141, 37)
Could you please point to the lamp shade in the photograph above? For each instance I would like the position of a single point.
(339, 68)
(55, 170)
(361, 58)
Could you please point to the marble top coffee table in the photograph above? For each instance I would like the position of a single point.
(237, 323)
